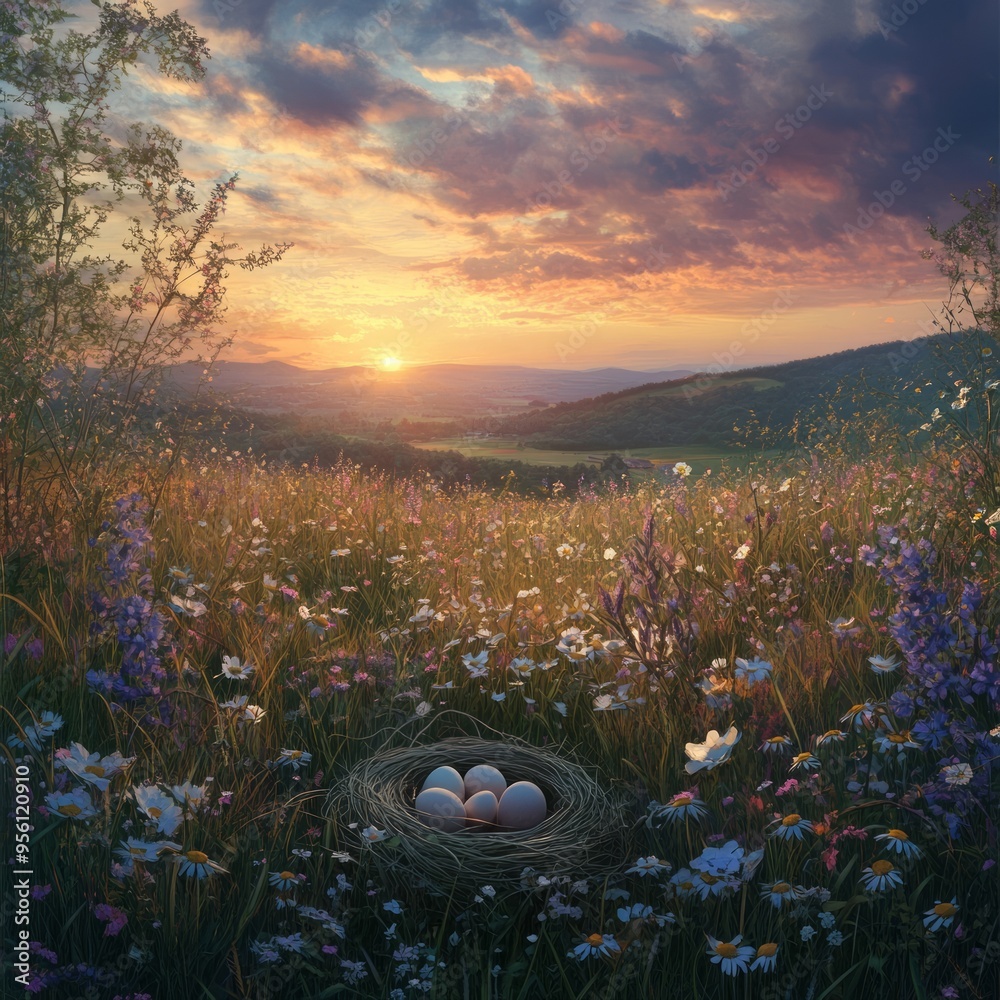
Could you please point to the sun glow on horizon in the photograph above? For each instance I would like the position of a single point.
(391, 364)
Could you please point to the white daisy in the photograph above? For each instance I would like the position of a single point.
(730, 955)
(941, 914)
(957, 775)
(648, 866)
(880, 876)
(683, 805)
(92, 767)
(234, 670)
(778, 894)
(197, 864)
(753, 671)
(806, 761)
(766, 958)
(899, 841)
(792, 827)
(76, 804)
(296, 758)
(159, 807)
(596, 945)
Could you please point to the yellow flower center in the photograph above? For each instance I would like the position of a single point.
(791, 819)
(726, 949)
(287, 876)
(137, 852)
(832, 732)
(945, 910)
(776, 739)
(898, 834)
(681, 800)
(70, 809)
(882, 867)
(781, 888)
(767, 950)
(595, 939)
(686, 886)
(197, 857)
(154, 812)
(897, 737)
(800, 757)
(95, 769)
(294, 754)
(708, 879)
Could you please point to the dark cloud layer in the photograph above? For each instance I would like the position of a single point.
(607, 133)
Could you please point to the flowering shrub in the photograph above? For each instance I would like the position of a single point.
(123, 608)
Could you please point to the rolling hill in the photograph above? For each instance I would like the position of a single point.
(703, 409)
(422, 392)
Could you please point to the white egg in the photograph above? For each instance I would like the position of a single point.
(482, 806)
(441, 809)
(522, 806)
(484, 776)
(446, 777)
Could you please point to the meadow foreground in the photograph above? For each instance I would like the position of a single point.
(786, 686)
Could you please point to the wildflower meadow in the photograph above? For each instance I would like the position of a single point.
(788, 681)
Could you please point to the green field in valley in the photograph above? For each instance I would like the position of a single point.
(700, 457)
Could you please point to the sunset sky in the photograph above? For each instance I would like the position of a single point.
(584, 183)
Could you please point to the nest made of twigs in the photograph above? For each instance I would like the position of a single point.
(580, 836)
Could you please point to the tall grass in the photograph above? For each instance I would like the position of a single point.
(355, 598)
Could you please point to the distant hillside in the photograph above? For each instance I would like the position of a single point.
(444, 391)
(704, 409)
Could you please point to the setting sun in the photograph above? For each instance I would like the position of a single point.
(391, 364)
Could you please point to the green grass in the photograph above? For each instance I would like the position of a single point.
(345, 664)
(700, 458)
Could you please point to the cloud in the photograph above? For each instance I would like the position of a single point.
(252, 16)
(553, 153)
(255, 349)
(322, 87)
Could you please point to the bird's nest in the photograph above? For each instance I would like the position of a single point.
(581, 835)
